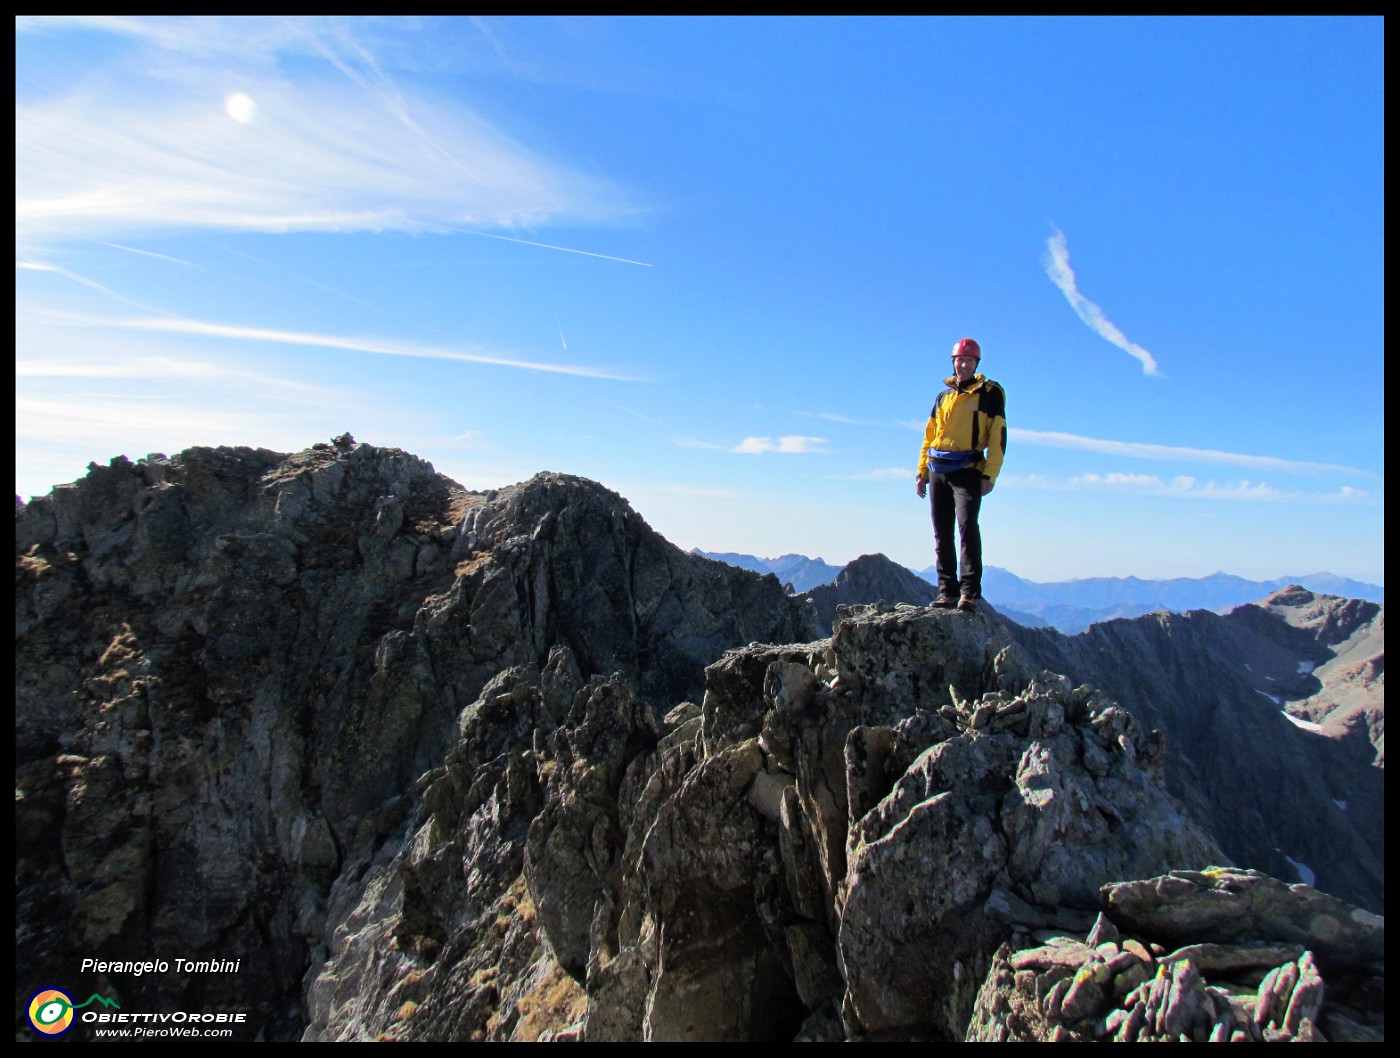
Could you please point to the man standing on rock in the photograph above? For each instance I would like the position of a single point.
(964, 444)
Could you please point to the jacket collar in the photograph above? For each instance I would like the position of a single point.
(971, 384)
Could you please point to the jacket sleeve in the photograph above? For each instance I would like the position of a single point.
(930, 432)
(996, 436)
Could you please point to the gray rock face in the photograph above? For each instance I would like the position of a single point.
(1276, 713)
(1237, 906)
(231, 674)
(439, 765)
(1303, 804)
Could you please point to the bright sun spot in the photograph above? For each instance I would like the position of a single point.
(240, 107)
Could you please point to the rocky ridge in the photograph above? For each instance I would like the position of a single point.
(233, 666)
(477, 766)
(1301, 801)
(780, 859)
(1277, 710)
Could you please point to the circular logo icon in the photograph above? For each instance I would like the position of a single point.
(50, 1012)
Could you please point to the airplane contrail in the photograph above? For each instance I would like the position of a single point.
(548, 246)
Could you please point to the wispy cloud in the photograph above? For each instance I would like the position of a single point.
(147, 144)
(1181, 487)
(882, 474)
(671, 489)
(167, 369)
(831, 416)
(180, 325)
(1057, 267)
(791, 445)
(60, 430)
(93, 420)
(1176, 453)
(25, 264)
(787, 445)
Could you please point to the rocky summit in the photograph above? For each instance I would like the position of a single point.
(431, 764)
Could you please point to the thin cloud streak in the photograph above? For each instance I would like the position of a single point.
(165, 368)
(93, 426)
(882, 474)
(147, 253)
(1175, 453)
(831, 416)
(549, 246)
(28, 265)
(1057, 267)
(1181, 487)
(303, 279)
(361, 345)
(701, 491)
(638, 415)
(791, 445)
(59, 433)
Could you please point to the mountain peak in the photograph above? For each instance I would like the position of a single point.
(434, 764)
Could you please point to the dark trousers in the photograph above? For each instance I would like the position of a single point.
(957, 497)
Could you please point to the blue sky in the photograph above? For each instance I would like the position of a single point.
(718, 265)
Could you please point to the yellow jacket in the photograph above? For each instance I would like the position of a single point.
(970, 417)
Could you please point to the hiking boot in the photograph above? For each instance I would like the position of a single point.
(967, 604)
(945, 601)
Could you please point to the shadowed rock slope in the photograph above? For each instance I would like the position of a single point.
(233, 667)
(1303, 802)
(441, 765)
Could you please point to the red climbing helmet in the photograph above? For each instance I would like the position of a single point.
(967, 347)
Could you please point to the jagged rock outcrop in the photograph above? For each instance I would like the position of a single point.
(1277, 712)
(234, 665)
(1219, 955)
(1303, 803)
(824, 846)
(439, 765)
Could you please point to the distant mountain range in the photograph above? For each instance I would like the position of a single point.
(1072, 605)
(798, 570)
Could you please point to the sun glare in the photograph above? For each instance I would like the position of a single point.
(240, 107)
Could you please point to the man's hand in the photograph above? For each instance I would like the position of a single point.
(986, 486)
(920, 484)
